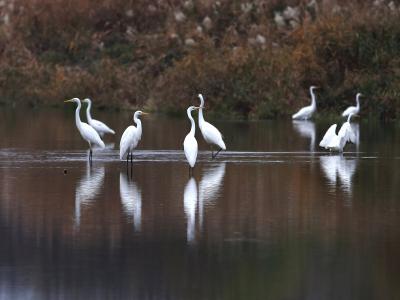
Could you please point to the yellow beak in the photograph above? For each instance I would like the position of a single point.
(70, 100)
(144, 113)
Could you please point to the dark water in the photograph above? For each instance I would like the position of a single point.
(272, 218)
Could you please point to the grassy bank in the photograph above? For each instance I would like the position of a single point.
(250, 59)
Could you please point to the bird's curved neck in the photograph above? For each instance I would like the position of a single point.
(349, 117)
(193, 128)
(201, 117)
(313, 101)
(77, 116)
(88, 115)
(358, 101)
(138, 124)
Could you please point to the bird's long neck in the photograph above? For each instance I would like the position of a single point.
(138, 124)
(358, 101)
(88, 115)
(313, 101)
(349, 117)
(78, 121)
(193, 128)
(201, 117)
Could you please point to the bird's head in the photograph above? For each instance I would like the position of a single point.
(201, 100)
(87, 100)
(139, 113)
(359, 95)
(76, 100)
(192, 108)
(313, 87)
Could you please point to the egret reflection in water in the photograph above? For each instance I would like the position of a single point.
(131, 198)
(306, 129)
(338, 167)
(87, 189)
(209, 187)
(190, 204)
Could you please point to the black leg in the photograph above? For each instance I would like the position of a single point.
(217, 152)
(90, 155)
(127, 159)
(131, 158)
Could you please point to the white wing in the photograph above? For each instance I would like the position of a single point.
(100, 127)
(349, 110)
(129, 140)
(190, 147)
(304, 113)
(91, 135)
(347, 133)
(212, 135)
(329, 135)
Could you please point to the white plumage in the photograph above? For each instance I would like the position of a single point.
(131, 137)
(190, 146)
(336, 142)
(87, 132)
(99, 126)
(353, 109)
(306, 112)
(210, 133)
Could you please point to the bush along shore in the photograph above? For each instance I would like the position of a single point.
(251, 59)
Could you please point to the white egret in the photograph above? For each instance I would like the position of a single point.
(353, 109)
(306, 112)
(210, 133)
(190, 146)
(87, 132)
(336, 142)
(131, 137)
(99, 126)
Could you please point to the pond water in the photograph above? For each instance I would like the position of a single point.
(274, 217)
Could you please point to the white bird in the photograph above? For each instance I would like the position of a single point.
(210, 133)
(99, 126)
(306, 112)
(190, 146)
(353, 109)
(131, 137)
(336, 142)
(87, 132)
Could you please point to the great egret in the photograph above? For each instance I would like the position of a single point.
(131, 137)
(336, 142)
(210, 133)
(306, 112)
(87, 132)
(353, 109)
(190, 146)
(100, 127)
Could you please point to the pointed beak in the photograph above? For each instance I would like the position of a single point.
(144, 113)
(70, 100)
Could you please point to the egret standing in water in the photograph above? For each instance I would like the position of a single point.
(210, 133)
(336, 142)
(306, 112)
(353, 109)
(100, 127)
(190, 146)
(131, 137)
(87, 132)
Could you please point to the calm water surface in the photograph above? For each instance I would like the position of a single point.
(272, 218)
